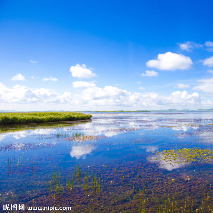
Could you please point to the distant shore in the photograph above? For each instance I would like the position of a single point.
(122, 111)
(40, 117)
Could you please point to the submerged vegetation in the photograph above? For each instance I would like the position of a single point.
(117, 188)
(40, 117)
(186, 155)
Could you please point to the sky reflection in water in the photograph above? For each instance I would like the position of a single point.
(118, 137)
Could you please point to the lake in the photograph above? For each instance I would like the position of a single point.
(117, 162)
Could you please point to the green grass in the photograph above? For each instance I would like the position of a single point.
(40, 117)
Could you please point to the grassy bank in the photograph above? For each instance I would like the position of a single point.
(40, 117)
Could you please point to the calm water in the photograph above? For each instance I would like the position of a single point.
(114, 163)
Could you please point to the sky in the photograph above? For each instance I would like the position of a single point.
(78, 55)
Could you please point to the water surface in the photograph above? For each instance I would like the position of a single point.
(114, 163)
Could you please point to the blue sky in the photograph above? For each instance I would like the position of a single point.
(106, 55)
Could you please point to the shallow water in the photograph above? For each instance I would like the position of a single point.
(113, 164)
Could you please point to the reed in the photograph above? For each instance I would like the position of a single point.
(40, 117)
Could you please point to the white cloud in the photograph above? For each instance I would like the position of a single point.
(208, 62)
(141, 88)
(206, 85)
(50, 79)
(81, 71)
(209, 44)
(33, 62)
(150, 73)
(189, 45)
(184, 95)
(78, 84)
(18, 77)
(32, 77)
(186, 46)
(23, 94)
(138, 82)
(182, 86)
(211, 71)
(170, 61)
(113, 96)
(94, 98)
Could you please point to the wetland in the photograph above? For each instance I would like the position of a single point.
(114, 162)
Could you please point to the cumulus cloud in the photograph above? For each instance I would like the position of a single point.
(209, 44)
(141, 88)
(18, 77)
(81, 71)
(211, 71)
(112, 96)
(186, 46)
(33, 62)
(184, 95)
(181, 86)
(208, 62)
(50, 79)
(205, 85)
(150, 73)
(23, 94)
(189, 45)
(78, 84)
(170, 61)
(98, 97)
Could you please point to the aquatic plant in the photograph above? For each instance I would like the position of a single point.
(101, 190)
(40, 117)
(185, 155)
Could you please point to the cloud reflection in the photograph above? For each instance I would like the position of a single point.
(81, 151)
(168, 163)
(21, 134)
(206, 136)
(2, 136)
(150, 148)
(179, 128)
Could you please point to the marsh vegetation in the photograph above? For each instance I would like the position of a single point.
(40, 117)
